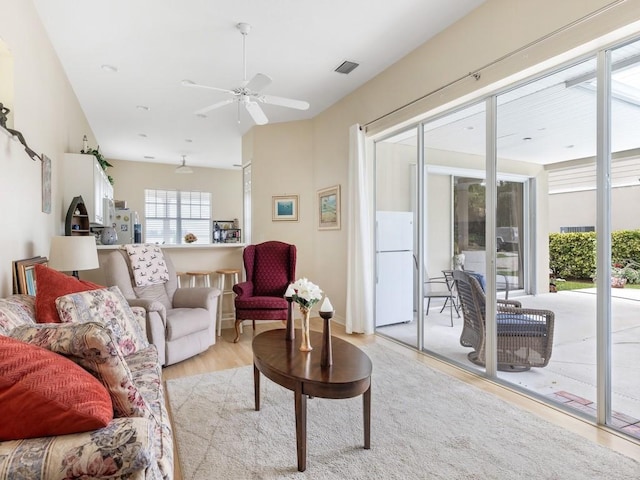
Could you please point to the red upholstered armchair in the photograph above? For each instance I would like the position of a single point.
(269, 267)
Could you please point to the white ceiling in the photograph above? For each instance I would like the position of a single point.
(155, 44)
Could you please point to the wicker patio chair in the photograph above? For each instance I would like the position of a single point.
(525, 336)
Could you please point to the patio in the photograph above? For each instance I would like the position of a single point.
(570, 377)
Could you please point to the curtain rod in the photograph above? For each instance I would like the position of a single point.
(476, 74)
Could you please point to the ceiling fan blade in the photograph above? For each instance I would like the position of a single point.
(285, 102)
(256, 113)
(213, 107)
(258, 82)
(189, 83)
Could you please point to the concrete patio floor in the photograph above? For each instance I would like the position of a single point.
(572, 368)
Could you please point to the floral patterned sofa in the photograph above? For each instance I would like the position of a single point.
(136, 443)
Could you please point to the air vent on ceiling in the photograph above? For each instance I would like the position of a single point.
(346, 67)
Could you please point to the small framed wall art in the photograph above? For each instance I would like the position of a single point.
(285, 208)
(329, 208)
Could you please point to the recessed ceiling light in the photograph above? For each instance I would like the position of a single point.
(143, 135)
(569, 146)
(108, 68)
(526, 139)
(238, 165)
(468, 127)
(188, 140)
(142, 107)
(201, 115)
(149, 157)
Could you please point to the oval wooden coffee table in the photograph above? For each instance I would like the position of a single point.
(282, 362)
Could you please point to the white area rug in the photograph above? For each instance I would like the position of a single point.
(425, 425)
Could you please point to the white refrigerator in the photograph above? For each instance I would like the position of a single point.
(394, 268)
(123, 222)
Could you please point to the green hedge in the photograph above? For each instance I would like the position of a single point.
(573, 255)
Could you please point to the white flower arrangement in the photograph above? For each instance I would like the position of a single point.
(306, 294)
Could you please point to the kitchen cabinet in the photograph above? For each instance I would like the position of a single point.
(83, 176)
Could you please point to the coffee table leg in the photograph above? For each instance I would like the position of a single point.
(366, 410)
(301, 428)
(256, 386)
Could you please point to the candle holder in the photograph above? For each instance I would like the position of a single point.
(290, 334)
(326, 358)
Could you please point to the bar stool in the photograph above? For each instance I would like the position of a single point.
(226, 275)
(203, 274)
(179, 276)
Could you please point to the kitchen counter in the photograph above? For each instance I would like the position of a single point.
(184, 257)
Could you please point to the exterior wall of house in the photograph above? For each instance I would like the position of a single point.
(578, 209)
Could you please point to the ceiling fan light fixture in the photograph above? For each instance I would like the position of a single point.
(183, 168)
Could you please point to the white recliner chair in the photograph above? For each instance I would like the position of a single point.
(180, 321)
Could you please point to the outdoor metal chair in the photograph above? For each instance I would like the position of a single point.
(524, 336)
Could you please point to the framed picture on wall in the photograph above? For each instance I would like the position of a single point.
(285, 208)
(24, 275)
(329, 208)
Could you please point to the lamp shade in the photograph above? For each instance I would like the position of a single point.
(73, 253)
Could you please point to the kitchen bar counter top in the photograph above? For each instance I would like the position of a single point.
(184, 246)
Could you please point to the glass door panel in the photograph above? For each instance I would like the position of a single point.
(395, 234)
(454, 155)
(625, 248)
(546, 130)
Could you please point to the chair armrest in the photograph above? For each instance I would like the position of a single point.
(149, 306)
(243, 289)
(508, 303)
(200, 297)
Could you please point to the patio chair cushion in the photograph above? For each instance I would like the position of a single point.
(481, 280)
(518, 324)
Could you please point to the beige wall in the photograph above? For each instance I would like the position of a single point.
(492, 31)
(46, 111)
(132, 178)
(578, 209)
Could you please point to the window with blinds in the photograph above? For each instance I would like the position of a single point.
(171, 214)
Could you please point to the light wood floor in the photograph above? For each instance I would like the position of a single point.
(226, 354)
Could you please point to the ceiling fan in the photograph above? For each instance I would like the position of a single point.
(248, 93)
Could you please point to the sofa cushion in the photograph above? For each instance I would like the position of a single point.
(147, 374)
(51, 285)
(44, 394)
(124, 449)
(520, 325)
(108, 307)
(16, 310)
(91, 346)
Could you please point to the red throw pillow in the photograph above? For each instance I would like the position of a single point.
(44, 394)
(51, 285)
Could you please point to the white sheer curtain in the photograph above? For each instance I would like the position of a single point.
(359, 316)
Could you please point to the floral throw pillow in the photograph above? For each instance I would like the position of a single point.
(109, 308)
(91, 346)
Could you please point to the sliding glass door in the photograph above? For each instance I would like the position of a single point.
(536, 190)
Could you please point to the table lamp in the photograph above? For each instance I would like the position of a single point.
(73, 253)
